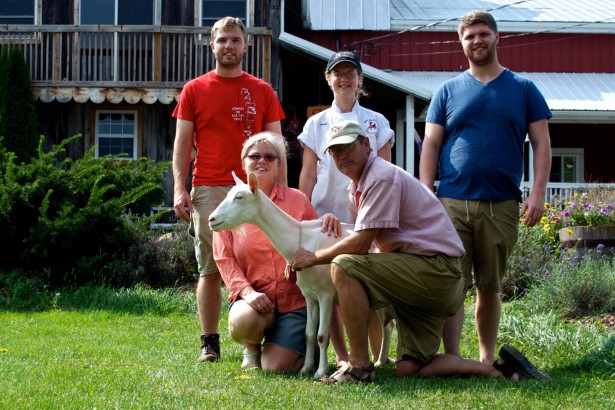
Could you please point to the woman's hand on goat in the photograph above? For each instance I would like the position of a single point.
(331, 225)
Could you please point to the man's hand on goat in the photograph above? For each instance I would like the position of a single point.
(303, 259)
(331, 225)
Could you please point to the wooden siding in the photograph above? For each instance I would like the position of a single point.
(126, 56)
(441, 51)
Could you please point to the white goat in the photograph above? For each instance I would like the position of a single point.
(245, 203)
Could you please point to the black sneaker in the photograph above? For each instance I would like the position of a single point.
(210, 348)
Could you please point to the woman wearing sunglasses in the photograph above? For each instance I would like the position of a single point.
(268, 312)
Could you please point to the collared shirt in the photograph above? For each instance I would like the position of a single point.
(411, 218)
(329, 193)
(246, 257)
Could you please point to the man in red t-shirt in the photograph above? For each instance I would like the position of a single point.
(216, 113)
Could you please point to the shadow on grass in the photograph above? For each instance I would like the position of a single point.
(137, 300)
(600, 363)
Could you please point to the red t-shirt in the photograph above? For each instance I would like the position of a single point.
(225, 112)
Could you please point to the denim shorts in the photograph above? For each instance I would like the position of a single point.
(288, 330)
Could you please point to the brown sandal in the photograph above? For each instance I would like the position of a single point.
(347, 373)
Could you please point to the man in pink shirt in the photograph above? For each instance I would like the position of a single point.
(417, 269)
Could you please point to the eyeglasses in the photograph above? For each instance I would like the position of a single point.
(347, 76)
(258, 157)
(337, 150)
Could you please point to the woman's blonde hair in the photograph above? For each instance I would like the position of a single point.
(277, 141)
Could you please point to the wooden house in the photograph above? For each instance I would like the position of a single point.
(112, 70)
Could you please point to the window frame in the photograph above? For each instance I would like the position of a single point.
(138, 130)
(35, 5)
(579, 154)
(249, 12)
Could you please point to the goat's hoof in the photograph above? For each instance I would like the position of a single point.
(321, 374)
(305, 371)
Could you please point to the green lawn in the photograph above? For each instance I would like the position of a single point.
(114, 358)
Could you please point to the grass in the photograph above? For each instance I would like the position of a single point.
(137, 349)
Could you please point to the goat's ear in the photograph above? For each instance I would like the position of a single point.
(253, 182)
(238, 180)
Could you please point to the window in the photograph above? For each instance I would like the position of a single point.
(116, 134)
(214, 10)
(567, 165)
(17, 11)
(140, 12)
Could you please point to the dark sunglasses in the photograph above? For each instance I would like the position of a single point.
(258, 157)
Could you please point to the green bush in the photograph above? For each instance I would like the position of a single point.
(156, 258)
(63, 222)
(529, 262)
(580, 284)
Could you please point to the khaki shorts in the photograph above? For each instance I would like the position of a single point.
(423, 290)
(205, 199)
(489, 232)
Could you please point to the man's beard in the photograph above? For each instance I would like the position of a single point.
(229, 63)
(485, 59)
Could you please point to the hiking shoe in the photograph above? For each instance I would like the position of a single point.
(251, 360)
(210, 348)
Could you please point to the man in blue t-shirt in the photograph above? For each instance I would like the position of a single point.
(475, 131)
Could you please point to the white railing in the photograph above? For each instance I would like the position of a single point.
(558, 192)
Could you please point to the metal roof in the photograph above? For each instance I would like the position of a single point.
(373, 73)
(572, 97)
(580, 16)
(584, 16)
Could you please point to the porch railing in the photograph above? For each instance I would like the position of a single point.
(125, 56)
(558, 192)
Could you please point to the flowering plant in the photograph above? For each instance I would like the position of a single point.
(583, 210)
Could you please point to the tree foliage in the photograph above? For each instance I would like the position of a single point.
(18, 121)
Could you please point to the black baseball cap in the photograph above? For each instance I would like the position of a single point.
(343, 57)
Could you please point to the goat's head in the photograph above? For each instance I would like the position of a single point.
(240, 205)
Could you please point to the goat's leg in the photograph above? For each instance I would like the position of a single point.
(324, 331)
(311, 327)
(386, 320)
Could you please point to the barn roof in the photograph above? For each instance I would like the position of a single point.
(580, 97)
(579, 16)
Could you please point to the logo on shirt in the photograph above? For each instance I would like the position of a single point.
(370, 126)
(245, 112)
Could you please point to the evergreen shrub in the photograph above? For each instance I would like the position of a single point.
(64, 221)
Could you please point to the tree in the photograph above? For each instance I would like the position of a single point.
(18, 121)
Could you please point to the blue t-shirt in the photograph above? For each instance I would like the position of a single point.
(485, 127)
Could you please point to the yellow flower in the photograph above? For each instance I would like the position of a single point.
(569, 231)
(547, 227)
(4, 350)
(547, 205)
(243, 377)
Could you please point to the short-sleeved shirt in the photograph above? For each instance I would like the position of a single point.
(485, 126)
(246, 256)
(225, 112)
(329, 193)
(411, 217)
